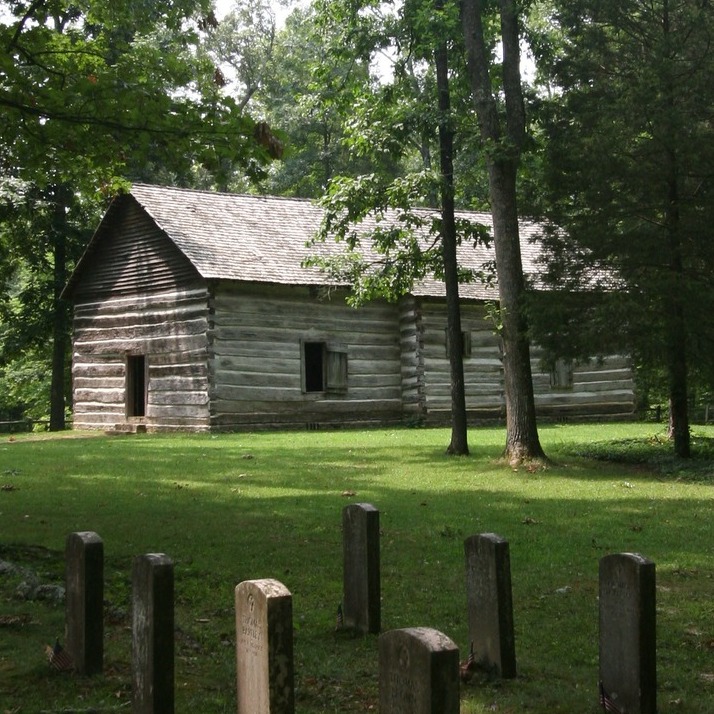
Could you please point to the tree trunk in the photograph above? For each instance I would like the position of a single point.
(503, 156)
(459, 439)
(522, 440)
(676, 324)
(677, 368)
(676, 327)
(60, 337)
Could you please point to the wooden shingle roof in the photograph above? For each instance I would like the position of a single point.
(264, 239)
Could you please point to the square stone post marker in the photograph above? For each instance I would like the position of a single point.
(628, 641)
(490, 604)
(361, 584)
(418, 672)
(84, 604)
(152, 661)
(264, 648)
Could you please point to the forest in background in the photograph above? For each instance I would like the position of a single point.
(608, 138)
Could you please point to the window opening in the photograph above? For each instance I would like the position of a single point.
(465, 343)
(313, 353)
(136, 386)
(324, 367)
(561, 376)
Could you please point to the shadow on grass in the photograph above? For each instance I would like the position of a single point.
(252, 506)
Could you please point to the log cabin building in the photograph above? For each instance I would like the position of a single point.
(193, 311)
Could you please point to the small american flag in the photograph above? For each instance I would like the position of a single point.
(59, 658)
(340, 618)
(467, 667)
(606, 702)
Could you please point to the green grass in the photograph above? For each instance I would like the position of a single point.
(236, 507)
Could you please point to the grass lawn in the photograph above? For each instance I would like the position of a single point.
(229, 508)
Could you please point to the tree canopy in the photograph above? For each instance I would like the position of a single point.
(93, 94)
(630, 150)
(383, 108)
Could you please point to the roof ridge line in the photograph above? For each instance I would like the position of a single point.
(220, 194)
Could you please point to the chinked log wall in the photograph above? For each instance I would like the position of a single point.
(256, 358)
(483, 371)
(140, 297)
(411, 344)
(600, 388)
(170, 329)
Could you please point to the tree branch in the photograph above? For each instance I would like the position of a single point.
(477, 59)
(515, 109)
(44, 113)
(21, 24)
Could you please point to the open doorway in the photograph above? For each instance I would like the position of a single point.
(136, 385)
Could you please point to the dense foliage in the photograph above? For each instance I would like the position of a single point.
(93, 93)
(630, 150)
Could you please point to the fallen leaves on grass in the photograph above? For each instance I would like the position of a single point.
(15, 620)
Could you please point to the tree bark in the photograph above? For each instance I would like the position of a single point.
(676, 324)
(503, 149)
(677, 369)
(459, 438)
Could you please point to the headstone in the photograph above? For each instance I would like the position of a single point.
(84, 603)
(490, 603)
(153, 635)
(418, 672)
(628, 668)
(361, 604)
(264, 648)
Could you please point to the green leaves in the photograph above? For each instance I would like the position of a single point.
(629, 170)
(92, 93)
(95, 93)
(390, 243)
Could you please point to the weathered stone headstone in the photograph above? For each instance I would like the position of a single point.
(264, 648)
(628, 668)
(361, 604)
(84, 603)
(418, 672)
(153, 634)
(490, 603)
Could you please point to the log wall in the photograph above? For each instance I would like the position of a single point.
(483, 371)
(599, 388)
(170, 329)
(255, 368)
(411, 345)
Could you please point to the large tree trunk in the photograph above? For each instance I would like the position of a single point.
(678, 390)
(676, 324)
(676, 328)
(503, 157)
(459, 439)
(522, 440)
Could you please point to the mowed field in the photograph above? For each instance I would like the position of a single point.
(228, 508)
